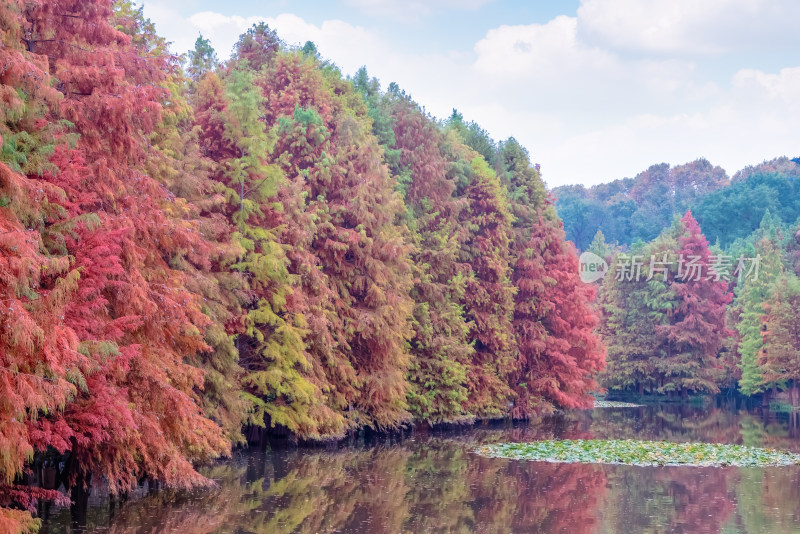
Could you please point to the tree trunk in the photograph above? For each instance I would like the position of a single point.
(80, 501)
(49, 477)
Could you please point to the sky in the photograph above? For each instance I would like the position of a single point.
(596, 90)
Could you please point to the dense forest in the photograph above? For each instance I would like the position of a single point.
(732, 324)
(196, 252)
(678, 314)
(190, 249)
(638, 209)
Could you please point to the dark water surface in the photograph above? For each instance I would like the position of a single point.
(434, 483)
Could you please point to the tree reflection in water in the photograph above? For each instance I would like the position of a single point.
(434, 483)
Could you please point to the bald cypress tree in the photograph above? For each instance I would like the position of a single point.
(697, 327)
(629, 317)
(41, 368)
(357, 240)
(559, 352)
(440, 348)
(489, 293)
(750, 301)
(779, 360)
(138, 412)
(278, 372)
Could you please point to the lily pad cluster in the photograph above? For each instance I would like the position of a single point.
(641, 453)
(614, 404)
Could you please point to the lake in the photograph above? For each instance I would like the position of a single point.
(433, 482)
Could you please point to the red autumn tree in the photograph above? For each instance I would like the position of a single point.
(139, 413)
(257, 46)
(697, 330)
(313, 297)
(40, 367)
(559, 352)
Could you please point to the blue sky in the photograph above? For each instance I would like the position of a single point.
(595, 89)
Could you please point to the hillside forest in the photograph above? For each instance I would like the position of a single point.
(191, 250)
(680, 315)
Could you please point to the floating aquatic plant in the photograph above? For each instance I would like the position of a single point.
(614, 404)
(642, 453)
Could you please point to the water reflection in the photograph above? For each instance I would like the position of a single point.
(435, 484)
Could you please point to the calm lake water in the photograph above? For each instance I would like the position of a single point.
(434, 483)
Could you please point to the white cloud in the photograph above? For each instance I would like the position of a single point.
(529, 51)
(548, 66)
(335, 39)
(171, 25)
(346, 43)
(784, 86)
(750, 119)
(412, 10)
(591, 112)
(690, 26)
(736, 131)
(223, 31)
(570, 89)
